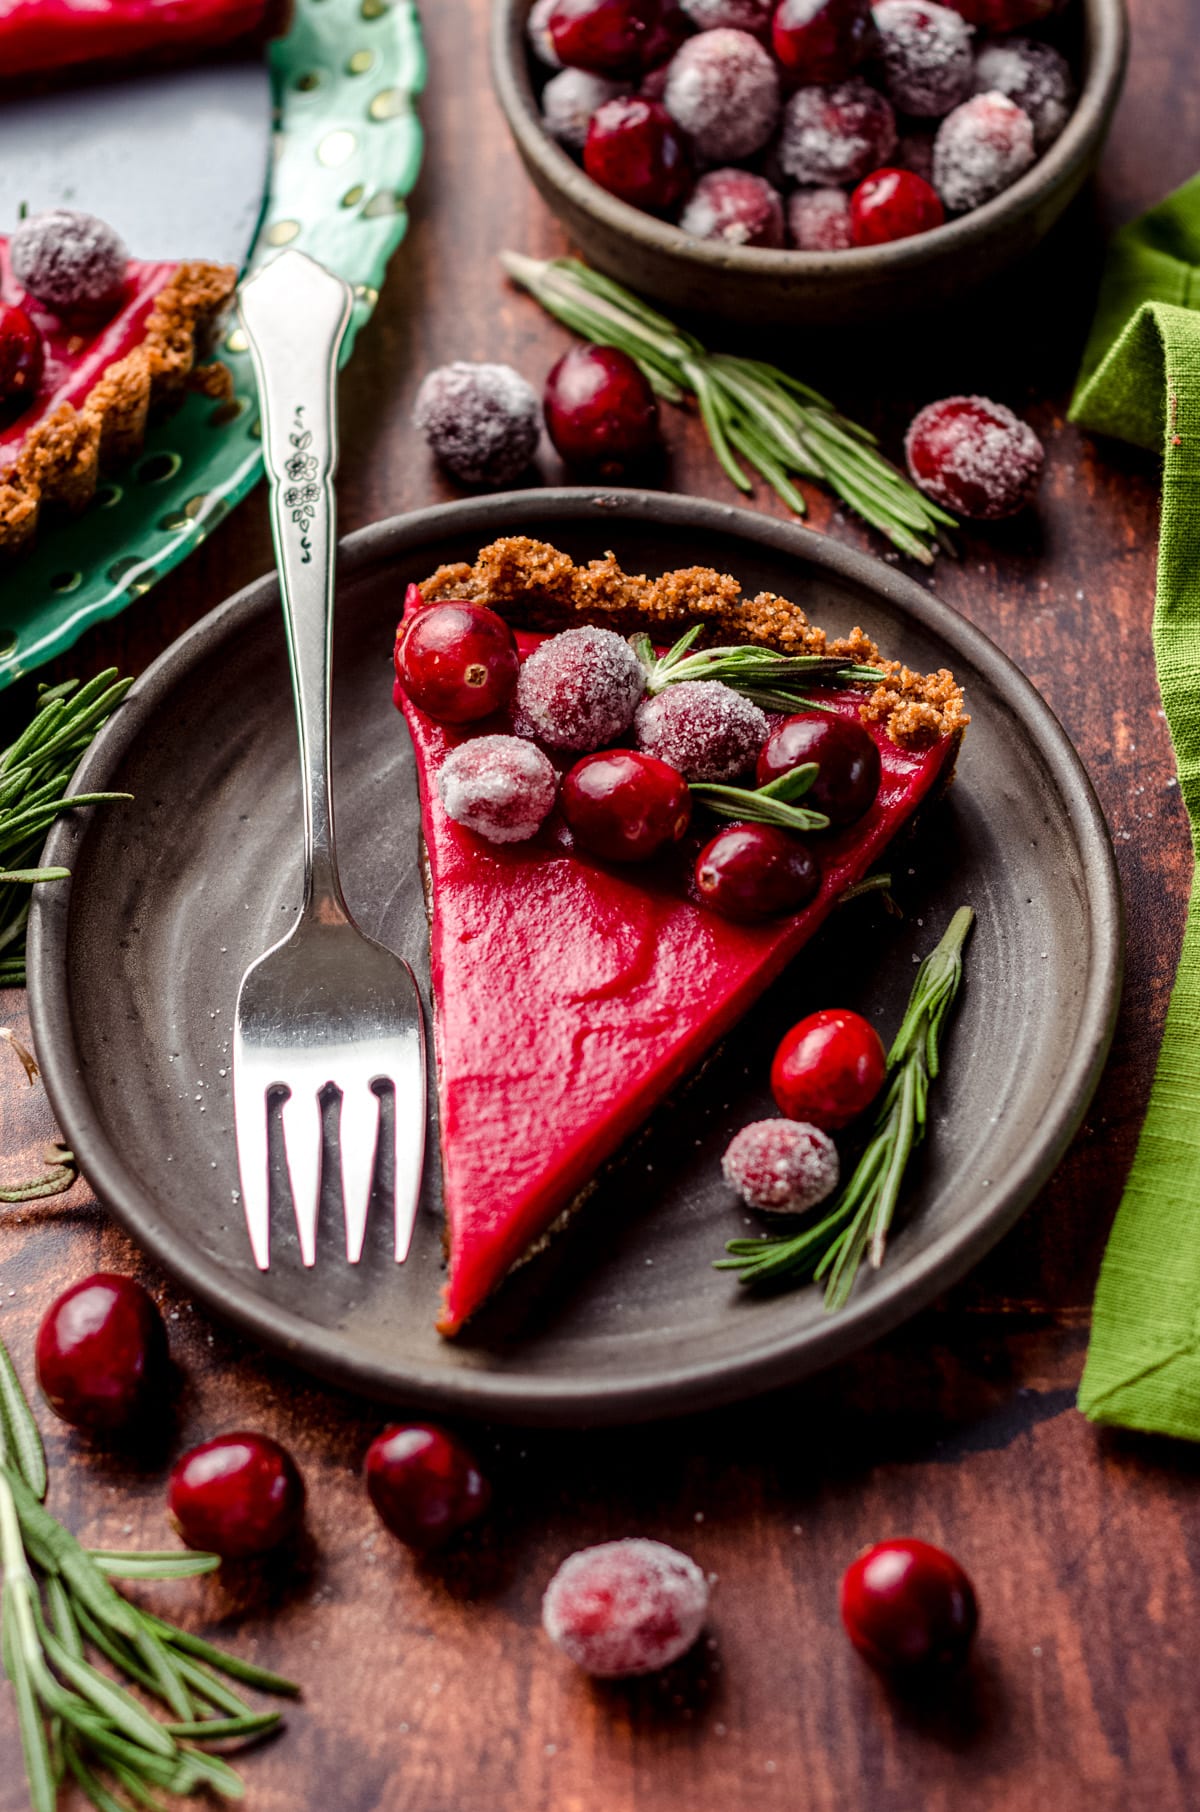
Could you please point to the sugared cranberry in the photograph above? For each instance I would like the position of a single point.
(22, 355)
(847, 757)
(926, 54)
(605, 36)
(753, 871)
(481, 421)
(723, 91)
(1035, 77)
(235, 1496)
(703, 728)
(537, 31)
(600, 410)
(893, 204)
(626, 806)
(822, 40)
(626, 1607)
(1005, 15)
(635, 150)
(836, 134)
(974, 457)
(819, 220)
(828, 1069)
(457, 661)
(569, 100)
(501, 787)
(780, 1167)
(579, 690)
(980, 150)
(735, 207)
(737, 15)
(909, 1606)
(101, 1352)
(71, 261)
(424, 1484)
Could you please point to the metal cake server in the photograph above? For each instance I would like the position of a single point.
(326, 1006)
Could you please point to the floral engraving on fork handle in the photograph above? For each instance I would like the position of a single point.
(303, 492)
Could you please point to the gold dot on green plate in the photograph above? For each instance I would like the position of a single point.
(131, 564)
(281, 232)
(360, 62)
(365, 293)
(174, 521)
(382, 205)
(194, 505)
(308, 81)
(8, 642)
(107, 496)
(228, 411)
(336, 148)
(353, 196)
(65, 582)
(373, 9)
(387, 104)
(236, 341)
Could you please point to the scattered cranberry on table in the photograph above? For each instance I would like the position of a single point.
(909, 1607)
(847, 757)
(626, 806)
(828, 1069)
(424, 1484)
(502, 788)
(626, 1607)
(101, 1353)
(822, 40)
(237, 1495)
(781, 1167)
(600, 410)
(974, 456)
(22, 355)
(481, 421)
(635, 150)
(754, 871)
(891, 205)
(457, 661)
(604, 36)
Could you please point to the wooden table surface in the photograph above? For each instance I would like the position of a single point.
(429, 1687)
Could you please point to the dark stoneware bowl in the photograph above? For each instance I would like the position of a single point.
(814, 288)
(135, 963)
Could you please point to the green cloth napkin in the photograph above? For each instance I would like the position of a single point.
(1140, 381)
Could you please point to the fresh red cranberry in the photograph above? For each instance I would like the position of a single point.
(635, 150)
(626, 806)
(424, 1484)
(974, 457)
(828, 1069)
(663, 37)
(753, 871)
(1005, 15)
(457, 661)
(101, 1352)
(822, 40)
(893, 204)
(625, 1607)
(606, 36)
(237, 1495)
(909, 1606)
(600, 410)
(22, 355)
(846, 755)
(735, 207)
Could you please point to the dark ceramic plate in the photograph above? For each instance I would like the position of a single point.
(135, 966)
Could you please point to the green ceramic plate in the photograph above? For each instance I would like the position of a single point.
(347, 153)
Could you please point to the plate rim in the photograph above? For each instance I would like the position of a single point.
(681, 1388)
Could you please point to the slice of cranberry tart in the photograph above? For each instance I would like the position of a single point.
(580, 968)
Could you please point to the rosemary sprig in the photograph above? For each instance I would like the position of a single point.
(35, 772)
(57, 1603)
(862, 1214)
(759, 674)
(752, 411)
(773, 803)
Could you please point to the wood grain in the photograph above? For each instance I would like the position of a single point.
(429, 1687)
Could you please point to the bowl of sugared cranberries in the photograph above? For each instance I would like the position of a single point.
(808, 162)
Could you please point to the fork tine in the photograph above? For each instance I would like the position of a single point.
(408, 1131)
(302, 1144)
(250, 1118)
(358, 1139)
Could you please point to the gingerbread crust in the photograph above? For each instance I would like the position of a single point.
(61, 459)
(549, 589)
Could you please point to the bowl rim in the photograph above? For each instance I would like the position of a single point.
(1108, 23)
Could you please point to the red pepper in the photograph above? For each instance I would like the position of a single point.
(39, 37)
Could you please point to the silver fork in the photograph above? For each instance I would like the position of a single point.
(326, 1006)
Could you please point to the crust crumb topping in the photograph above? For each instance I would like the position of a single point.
(549, 589)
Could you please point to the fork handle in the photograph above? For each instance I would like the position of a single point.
(295, 314)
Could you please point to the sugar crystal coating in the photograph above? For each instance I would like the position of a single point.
(736, 15)
(1035, 76)
(569, 100)
(537, 28)
(819, 220)
(980, 150)
(736, 207)
(836, 132)
(702, 728)
(974, 456)
(579, 690)
(500, 787)
(781, 1166)
(723, 91)
(625, 1607)
(481, 421)
(69, 260)
(926, 52)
